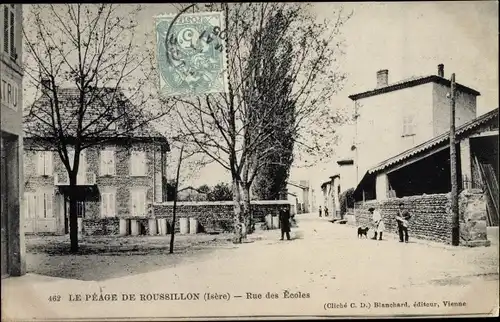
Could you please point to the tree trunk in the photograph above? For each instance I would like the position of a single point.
(237, 219)
(73, 215)
(247, 210)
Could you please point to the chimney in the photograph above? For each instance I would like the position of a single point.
(441, 70)
(382, 78)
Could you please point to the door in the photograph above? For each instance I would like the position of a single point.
(3, 211)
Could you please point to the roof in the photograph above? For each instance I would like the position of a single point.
(105, 101)
(335, 176)
(411, 82)
(439, 140)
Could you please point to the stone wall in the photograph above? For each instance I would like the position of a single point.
(102, 226)
(215, 216)
(431, 216)
(211, 216)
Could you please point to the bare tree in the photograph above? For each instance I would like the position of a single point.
(235, 128)
(88, 65)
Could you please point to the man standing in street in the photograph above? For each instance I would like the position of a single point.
(284, 216)
(402, 219)
(320, 211)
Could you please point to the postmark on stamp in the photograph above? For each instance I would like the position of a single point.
(191, 53)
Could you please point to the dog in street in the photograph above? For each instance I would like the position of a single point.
(362, 232)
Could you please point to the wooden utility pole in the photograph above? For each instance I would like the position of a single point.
(455, 232)
(175, 202)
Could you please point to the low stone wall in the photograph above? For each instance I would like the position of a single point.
(101, 226)
(211, 216)
(215, 215)
(431, 216)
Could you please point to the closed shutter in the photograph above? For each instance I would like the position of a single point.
(111, 164)
(48, 163)
(40, 164)
(133, 163)
(29, 205)
(142, 203)
(104, 204)
(32, 205)
(112, 205)
(49, 207)
(144, 165)
(103, 169)
(40, 205)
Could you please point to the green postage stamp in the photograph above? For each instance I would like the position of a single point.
(191, 53)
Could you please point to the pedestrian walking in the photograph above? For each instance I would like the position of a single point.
(326, 212)
(284, 216)
(320, 211)
(402, 219)
(378, 223)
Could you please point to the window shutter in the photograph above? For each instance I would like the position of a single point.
(83, 163)
(104, 204)
(32, 205)
(143, 164)
(40, 205)
(103, 163)
(48, 163)
(142, 203)
(112, 205)
(49, 205)
(40, 163)
(111, 163)
(133, 162)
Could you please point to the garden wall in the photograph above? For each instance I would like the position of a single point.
(431, 216)
(215, 215)
(211, 216)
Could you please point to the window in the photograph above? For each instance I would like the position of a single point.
(108, 204)
(408, 125)
(44, 163)
(30, 205)
(138, 163)
(107, 163)
(138, 202)
(9, 24)
(39, 205)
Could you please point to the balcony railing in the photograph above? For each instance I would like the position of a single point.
(86, 179)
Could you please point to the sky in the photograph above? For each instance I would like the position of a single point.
(408, 39)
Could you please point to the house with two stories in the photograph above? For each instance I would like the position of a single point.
(120, 177)
(401, 152)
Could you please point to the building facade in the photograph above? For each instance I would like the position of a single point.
(122, 180)
(395, 117)
(11, 79)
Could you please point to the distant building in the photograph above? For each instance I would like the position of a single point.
(303, 195)
(11, 141)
